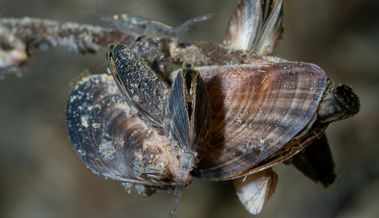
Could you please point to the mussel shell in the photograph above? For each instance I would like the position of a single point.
(255, 111)
(255, 26)
(187, 110)
(112, 140)
(141, 87)
(316, 162)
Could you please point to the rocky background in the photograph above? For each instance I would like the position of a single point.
(41, 177)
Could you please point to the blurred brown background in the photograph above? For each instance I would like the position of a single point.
(41, 177)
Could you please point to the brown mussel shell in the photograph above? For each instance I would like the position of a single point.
(256, 111)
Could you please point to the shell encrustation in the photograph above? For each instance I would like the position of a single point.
(141, 87)
(255, 111)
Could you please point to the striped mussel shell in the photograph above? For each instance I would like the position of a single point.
(256, 111)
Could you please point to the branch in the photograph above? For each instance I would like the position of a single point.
(19, 36)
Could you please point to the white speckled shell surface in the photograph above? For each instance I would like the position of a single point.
(112, 140)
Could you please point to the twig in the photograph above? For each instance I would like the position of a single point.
(20, 36)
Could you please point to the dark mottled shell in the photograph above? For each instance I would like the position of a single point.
(256, 111)
(142, 88)
(112, 140)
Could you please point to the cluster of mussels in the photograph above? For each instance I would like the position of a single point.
(226, 122)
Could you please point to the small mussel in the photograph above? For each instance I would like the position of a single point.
(228, 122)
